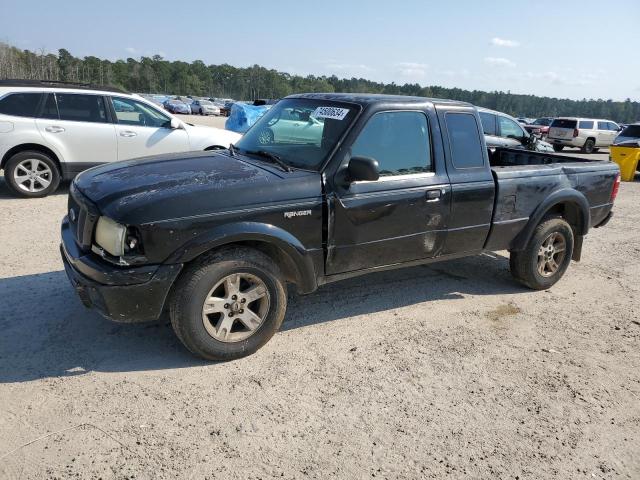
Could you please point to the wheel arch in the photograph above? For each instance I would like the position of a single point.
(24, 147)
(285, 249)
(569, 204)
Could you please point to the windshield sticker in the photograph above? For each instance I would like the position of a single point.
(333, 113)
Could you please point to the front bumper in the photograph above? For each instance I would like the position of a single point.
(127, 295)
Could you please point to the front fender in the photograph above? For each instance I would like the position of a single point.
(569, 198)
(227, 234)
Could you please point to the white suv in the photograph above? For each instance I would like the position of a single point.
(588, 134)
(51, 131)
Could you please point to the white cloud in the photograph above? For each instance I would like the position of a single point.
(349, 66)
(131, 50)
(499, 62)
(412, 69)
(503, 42)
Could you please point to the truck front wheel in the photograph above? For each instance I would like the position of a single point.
(546, 257)
(228, 304)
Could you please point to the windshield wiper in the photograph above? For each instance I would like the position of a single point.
(270, 156)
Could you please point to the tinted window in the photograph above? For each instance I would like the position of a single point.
(132, 112)
(631, 131)
(50, 109)
(563, 123)
(509, 128)
(81, 108)
(603, 126)
(488, 123)
(465, 140)
(586, 124)
(20, 104)
(612, 126)
(399, 141)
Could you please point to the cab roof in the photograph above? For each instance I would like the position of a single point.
(365, 99)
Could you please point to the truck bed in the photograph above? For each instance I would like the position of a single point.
(525, 179)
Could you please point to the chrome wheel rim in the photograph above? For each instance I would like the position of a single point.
(32, 175)
(551, 254)
(235, 307)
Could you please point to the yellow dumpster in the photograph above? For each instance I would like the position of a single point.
(627, 158)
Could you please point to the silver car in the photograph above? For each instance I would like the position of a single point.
(587, 134)
(204, 107)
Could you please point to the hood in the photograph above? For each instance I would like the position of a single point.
(174, 186)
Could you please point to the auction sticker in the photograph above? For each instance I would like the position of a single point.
(333, 113)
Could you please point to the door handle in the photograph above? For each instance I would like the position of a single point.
(128, 133)
(433, 195)
(54, 129)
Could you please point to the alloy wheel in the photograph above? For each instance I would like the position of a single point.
(551, 254)
(32, 175)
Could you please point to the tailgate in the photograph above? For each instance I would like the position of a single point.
(561, 128)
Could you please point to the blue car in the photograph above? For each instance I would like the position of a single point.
(176, 106)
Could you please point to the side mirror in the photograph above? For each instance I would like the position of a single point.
(363, 169)
(175, 124)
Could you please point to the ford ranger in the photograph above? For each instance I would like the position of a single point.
(323, 187)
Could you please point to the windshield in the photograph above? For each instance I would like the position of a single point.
(301, 132)
(632, 131)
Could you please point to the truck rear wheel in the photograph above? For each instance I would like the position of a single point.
(228, 304)
(546, 257)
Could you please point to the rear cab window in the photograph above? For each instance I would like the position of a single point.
(464, 138)
(20, 104)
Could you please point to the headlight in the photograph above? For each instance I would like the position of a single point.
(111, 235)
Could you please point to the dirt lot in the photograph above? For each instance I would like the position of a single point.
(445, 371)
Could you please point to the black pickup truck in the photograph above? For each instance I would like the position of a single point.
(323, 187)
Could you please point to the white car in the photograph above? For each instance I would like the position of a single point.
(204, 107)
(51, 131)
(588, 134)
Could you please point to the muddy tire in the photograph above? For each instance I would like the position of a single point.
(588, 146)
(546, 257)
(228, 304)
(32, 174)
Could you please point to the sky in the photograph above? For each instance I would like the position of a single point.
(562, 48)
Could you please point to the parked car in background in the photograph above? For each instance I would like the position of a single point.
(204, 107)
(524, 120)
(629, 135)
(539, 127)
(226, 109)
(502, 130)
(587, 134)
(177, 106)
(51, 131)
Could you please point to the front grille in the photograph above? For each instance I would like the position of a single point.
(83, 216)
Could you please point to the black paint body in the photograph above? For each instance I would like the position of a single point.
(317, 225)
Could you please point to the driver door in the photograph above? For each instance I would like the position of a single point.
(142, 130)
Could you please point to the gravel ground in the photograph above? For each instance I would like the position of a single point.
(445, 371)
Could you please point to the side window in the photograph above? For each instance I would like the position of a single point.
(488, 123)
(132, 112)
(509, 128)
(399, 141)
(613, 126)
(602, 126)
(586, 124)
(81, 108)
(50, 109)
(464, 138)
(20, 104)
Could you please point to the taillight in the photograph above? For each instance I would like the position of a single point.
(616, 187)
(575, 132)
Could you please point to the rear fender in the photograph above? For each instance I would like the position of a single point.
(571, 204)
